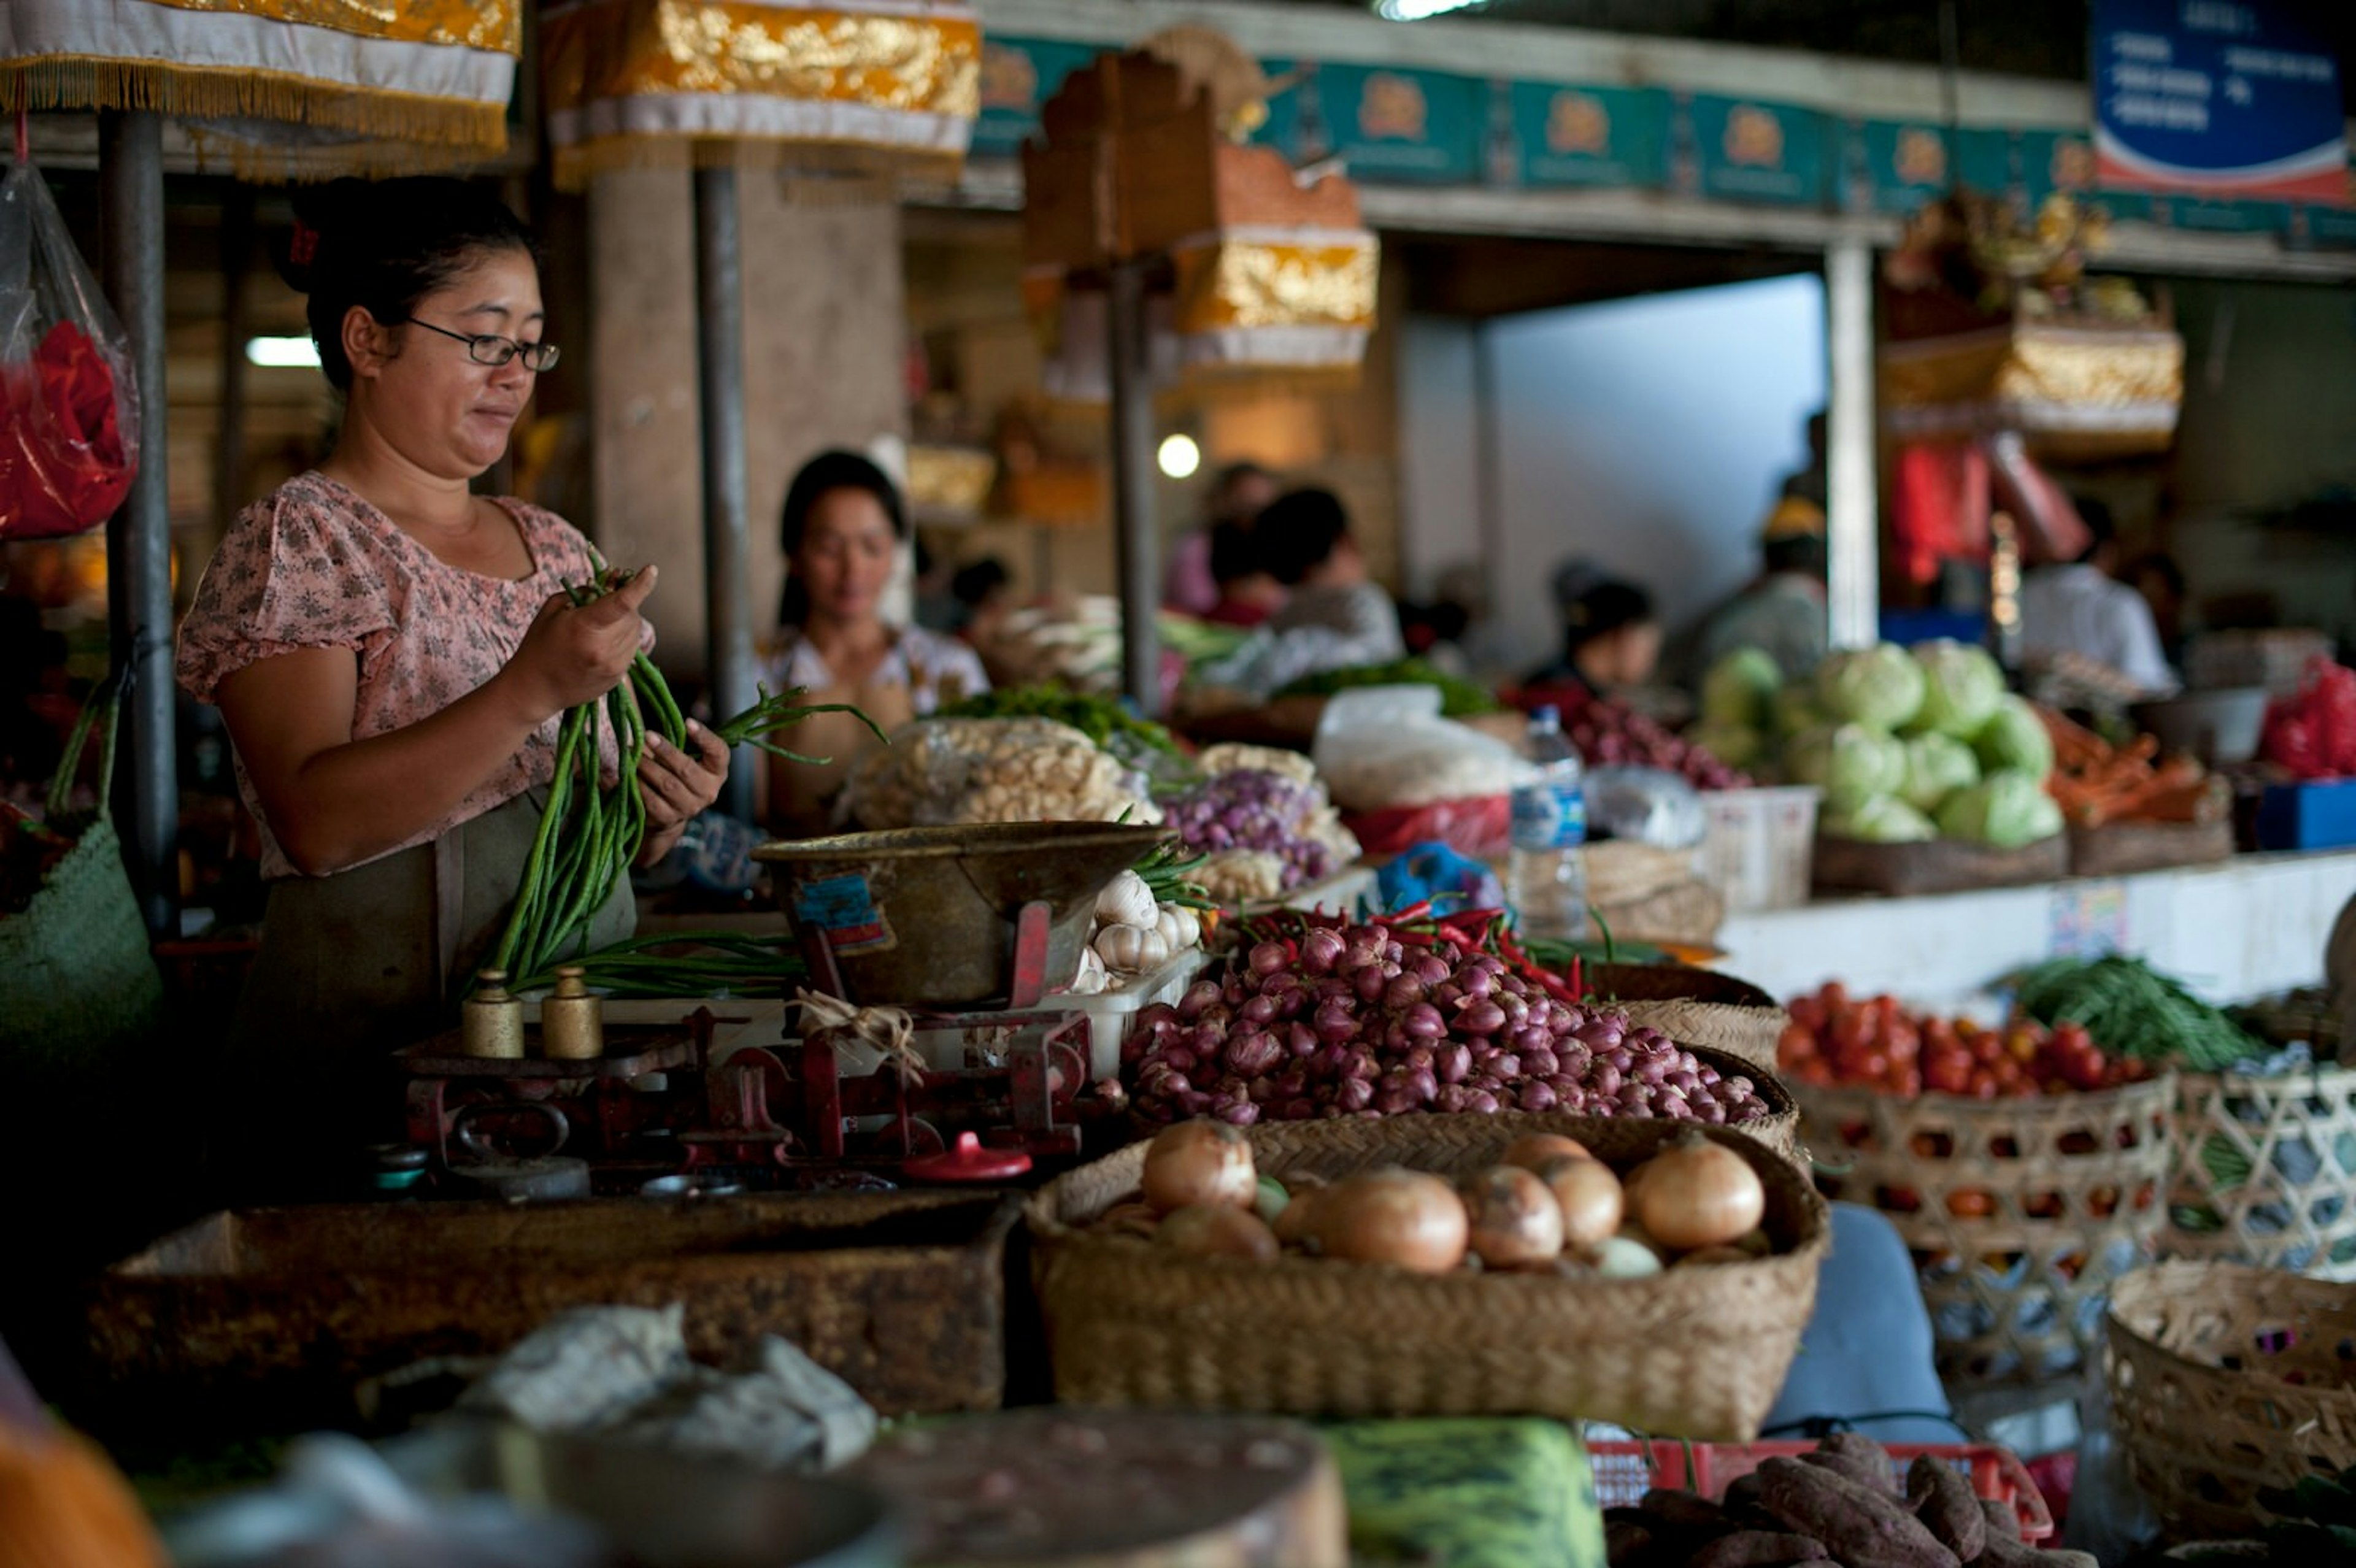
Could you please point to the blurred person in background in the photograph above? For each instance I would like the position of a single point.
(2080, 611)
(1238, 494)
(1248, 593)
(984, 592)
(2160, 581)
(1335, 617)
(1610, 635)
(1782, 610)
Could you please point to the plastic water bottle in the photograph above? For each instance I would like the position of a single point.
(1546, 880)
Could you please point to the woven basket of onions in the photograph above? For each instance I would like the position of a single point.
(1646, 1272)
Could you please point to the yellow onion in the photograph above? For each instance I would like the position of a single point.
(1199, 1162)
(1515, 1218)
(1698, 1194)
(1390, 1216)
(1216, 1230)
(1532, 1150)
(1588, 1196)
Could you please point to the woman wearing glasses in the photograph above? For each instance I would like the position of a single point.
(392, 652)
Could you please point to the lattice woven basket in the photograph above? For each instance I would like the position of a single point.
(1696, 1007)
(2020, 1212)
(2199, 1357)
(2266, 1172)
(1698, 1351)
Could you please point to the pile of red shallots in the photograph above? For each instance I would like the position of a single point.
(1407, 1013)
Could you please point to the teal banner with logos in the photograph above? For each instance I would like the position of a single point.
(1018, 75)
(1586, 137)
(1748, 151)
(1905, 165)
(1423, 127)
(2063, 161)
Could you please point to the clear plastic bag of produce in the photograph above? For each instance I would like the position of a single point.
(1383, 748)
(1645, 806)
(69, 400)
(944, 772)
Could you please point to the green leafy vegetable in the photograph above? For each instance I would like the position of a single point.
(1883, 819)
(1880, 686)
(1740, 688)
(1964, 687)
(1099, 718)
(2132, 1009)
(1457, 696)
(1852, 763)
(2016, 737)
(2004, 811)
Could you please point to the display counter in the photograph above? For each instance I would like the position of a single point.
(2232, 932)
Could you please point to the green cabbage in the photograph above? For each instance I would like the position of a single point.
(1884, 819)
(2014, 737)
(1848, 761)
(1964, 685)
(1736, 745)
(1880, 686)
(2004, 811)
(1936, 766)
(1740, 689)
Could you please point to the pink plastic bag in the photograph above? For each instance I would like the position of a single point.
(69, 400)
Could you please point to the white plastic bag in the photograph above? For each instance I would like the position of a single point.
(1381, 747)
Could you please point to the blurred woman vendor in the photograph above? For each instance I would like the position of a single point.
(392, 654)
(1611, 640)
(842, 527)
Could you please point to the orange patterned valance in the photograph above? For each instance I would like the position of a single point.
(877, 87)
(299, 88)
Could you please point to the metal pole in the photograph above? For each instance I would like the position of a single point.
(237, 320)
(1852, 532)
(727, 555)
(1136, 555)
(139, 536)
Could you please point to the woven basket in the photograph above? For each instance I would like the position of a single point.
(1700, 1352)
(1697, 1007)
(2020, 1212)
(2200, 1359)
(2295, 1135)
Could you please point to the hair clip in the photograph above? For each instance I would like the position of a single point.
(306, 244)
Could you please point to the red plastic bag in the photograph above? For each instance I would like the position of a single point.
(2313, 734)
(69, 401)
(1481, 828)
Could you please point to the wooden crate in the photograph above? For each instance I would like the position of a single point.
(2122, 849)
(287, 1312)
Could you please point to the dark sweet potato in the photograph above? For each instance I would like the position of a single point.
(1686, 1512)
(1947, 1505)
(1858, 1458)
(1862, 1527)
(1862, 1460)
(1625, 1542)
(1757, 1548)
(1741, 1499)
(2003, 1520)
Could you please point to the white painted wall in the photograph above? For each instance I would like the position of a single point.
(1648, 434)
(1440, 450)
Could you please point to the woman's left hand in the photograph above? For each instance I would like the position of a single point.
(677, 785)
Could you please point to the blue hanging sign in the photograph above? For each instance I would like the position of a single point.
(2229, 99)
(1018, 75)
(1592, 136)
(1748, 151)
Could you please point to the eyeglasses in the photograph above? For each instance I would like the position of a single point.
(486, 348)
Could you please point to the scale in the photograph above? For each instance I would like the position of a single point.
(995, 906)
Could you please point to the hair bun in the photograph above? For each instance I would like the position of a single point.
(320, 211)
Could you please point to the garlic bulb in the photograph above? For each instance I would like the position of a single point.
(1127, 900)
(1131, 950)
(1178, 928)
(1091, 979)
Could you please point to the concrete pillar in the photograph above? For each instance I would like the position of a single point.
(825, 336)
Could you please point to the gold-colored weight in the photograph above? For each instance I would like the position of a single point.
(490, 1022)
(573, 1021)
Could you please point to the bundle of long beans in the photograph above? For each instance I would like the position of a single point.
(590, 834)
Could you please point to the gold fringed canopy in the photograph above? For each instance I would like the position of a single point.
(882, 89)
(1280, 299)
(2078, 390)
(288, 89)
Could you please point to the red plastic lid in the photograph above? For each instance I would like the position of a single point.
(969, 1161)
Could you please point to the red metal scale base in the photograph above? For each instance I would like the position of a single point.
(791, 1105)
(785, 1115)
